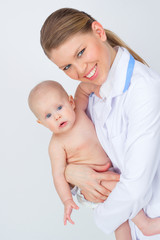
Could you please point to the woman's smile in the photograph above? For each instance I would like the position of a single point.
(92, 73)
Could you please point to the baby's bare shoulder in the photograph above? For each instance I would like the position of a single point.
(54, 143)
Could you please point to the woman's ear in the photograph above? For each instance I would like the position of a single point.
(71, 101)
(99, 31)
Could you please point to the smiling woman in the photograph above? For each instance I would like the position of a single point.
(88, 56)
(126, 117)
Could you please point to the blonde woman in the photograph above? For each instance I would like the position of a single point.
(126, 115)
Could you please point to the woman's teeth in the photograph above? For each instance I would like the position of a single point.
(92, 72)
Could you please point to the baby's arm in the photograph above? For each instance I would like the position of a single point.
(82, 94)
(58, 164)
(148, 226)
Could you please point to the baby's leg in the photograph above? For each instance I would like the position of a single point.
(123, 232)
(148, 226)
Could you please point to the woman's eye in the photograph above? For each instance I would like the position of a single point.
(59, 108)
(81, 52)
(48, 115)
(67, 67)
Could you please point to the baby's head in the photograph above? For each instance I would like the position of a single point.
(52, 106)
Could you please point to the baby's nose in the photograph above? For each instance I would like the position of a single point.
(57, 116)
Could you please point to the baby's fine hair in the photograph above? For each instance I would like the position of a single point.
(42, 87)
(66, 22)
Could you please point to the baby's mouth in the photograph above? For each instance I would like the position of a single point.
(63, 124)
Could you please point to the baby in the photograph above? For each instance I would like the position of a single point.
(74, 140)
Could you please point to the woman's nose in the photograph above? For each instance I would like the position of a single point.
(81, 68)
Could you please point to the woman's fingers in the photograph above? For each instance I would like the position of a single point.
(108, 176)
(103, 190)
(91, 197)
(96, 196)
(99, 191)
(109, 184)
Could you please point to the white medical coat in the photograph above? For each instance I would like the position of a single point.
(128, 128)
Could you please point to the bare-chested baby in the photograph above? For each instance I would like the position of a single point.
(74, 140)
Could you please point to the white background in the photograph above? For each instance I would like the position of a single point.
(29, 206)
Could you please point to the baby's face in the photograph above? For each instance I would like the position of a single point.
(55, 111)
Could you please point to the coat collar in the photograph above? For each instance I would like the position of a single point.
(115, 82)
(113, 86)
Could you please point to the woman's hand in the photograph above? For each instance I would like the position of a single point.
(95, 186)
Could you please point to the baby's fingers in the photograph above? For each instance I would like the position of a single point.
(74, 205)
(70, 220)
(65, 221)
(67, 218)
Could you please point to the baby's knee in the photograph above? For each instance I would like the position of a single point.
(146, 231)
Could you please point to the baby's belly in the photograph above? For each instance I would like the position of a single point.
(97, 164)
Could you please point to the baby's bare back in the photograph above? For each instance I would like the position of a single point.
(82, 145)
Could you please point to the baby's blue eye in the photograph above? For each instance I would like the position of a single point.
(59, 108)
(81, 52)
(67, 67)
(48, 115)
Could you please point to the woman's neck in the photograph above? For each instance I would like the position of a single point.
(113, 54)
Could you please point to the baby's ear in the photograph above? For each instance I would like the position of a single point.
(38, 121)
(71, 101)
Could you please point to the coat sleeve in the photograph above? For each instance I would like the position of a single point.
(141, 160)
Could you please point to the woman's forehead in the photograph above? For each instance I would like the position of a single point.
(69, 49)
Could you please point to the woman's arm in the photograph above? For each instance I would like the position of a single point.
(82, 94)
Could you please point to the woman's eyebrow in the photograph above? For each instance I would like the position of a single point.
(63, 66)
(77, 50)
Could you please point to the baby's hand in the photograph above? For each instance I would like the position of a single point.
(68, 206)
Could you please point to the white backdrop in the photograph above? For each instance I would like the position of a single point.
(29, 206)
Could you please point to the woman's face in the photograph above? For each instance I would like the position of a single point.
(85, 57)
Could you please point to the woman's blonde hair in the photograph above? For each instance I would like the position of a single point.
(65, 22)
